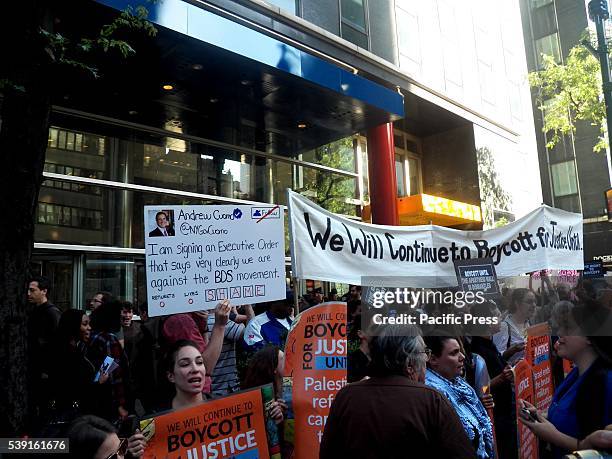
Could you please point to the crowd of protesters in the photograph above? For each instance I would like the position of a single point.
(158, 363)
(443, 392)
(472, 368)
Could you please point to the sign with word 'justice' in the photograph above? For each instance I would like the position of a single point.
(229, 427)
(316, 360)
(537, 354)
(197, 256)
(329, 247)
(523, 390)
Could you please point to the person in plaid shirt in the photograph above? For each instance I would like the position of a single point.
(112, 398)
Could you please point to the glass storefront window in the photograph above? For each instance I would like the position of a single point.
(407, 164)
(70, 212)
(400, 177)
(59, 269)
(93, 215)
(97, 215)
(408, 175)
(335, 193)
(193, 168)
(414, 175)
(339, 155)
(122, 276)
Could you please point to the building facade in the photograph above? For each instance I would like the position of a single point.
(574, 178)
(364, 106)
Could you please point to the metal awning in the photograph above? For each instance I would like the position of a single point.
(293, 99)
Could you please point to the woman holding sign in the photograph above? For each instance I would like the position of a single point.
(187, 372)
(583, 402)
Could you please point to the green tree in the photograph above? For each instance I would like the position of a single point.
(38, 54)
(568, 93)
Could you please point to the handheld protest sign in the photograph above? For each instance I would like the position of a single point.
(197, 256)
(477, 275)
(316, 361)
(229, 427)
(537, 354)
(523, 390)
(593, 269)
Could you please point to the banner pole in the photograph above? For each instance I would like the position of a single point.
(296, 306)
(292, 254)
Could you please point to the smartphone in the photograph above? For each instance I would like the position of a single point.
(528, 415)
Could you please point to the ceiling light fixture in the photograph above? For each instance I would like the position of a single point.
(168, 87)
(197, 66)
(301, 125)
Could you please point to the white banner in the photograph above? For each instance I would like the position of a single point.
(197, 256)
(328, 247)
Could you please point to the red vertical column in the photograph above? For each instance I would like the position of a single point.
(381, 167)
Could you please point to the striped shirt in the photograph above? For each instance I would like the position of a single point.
(225, 377)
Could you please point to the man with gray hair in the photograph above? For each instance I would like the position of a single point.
(393, 414)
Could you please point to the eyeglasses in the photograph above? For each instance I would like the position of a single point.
(120, 453)
(427, 353)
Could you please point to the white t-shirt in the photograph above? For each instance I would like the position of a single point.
(516, 334)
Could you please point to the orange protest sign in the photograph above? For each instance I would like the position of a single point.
(316, 360)
(537, 354)
(232, 426)
(523, 388)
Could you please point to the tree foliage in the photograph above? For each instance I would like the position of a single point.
(568, 93)
(37, 53)
(331, 191)
(63, 50)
